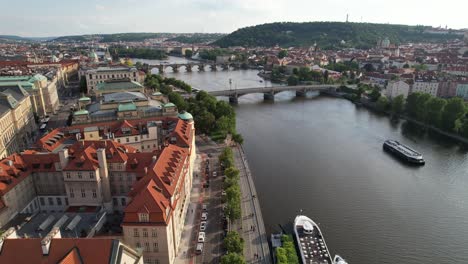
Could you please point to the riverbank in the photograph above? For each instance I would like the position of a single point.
(371, 107)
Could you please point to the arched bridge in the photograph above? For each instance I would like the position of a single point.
(269, 92)
(201, 66)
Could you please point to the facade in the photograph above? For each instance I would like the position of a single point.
(102, 74)
(429, 85)
(16, 120)
(54, 249)
(447, 89)
(43, 92)
(462, 90)
(86, 167)
(396, 88)
(115, 86)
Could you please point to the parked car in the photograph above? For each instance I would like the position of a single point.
(204, 216)
(223, 193)
(203, 226)
(204, 207)
(199, 248)
(214, 174)
(201, 237)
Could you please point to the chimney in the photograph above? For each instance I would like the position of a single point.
(63, 156)
(10, 233)
(154, 158)
(10, 163)
(45, 243)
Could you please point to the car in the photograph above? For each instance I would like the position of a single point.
(204, 216)
(205, 207)
(203, 226)
(201, 237)
(214, 174)
(223, 193)
(199, 248)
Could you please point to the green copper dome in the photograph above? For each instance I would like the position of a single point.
(185, 116)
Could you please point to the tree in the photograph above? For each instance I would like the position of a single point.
(434, 108)
(382, 104)
(232, 258)
(238, 138)
(406, 66)
(374, 95)
(398, 103)
(232, 173)
(188, 53)
(233, 242)
(453, 110)
(178, 100)
(293, 80)
(139, 65)
(128, 62)
(204, 121)
(369, 67)
(83, 86)
(325, 76)
(282, 53)
(223, 124)
(420, 106)
(412, 104)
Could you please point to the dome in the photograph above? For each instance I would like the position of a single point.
(81, 112)
(185, 116)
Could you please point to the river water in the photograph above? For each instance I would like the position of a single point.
(324, 156)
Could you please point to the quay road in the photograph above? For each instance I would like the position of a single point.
(250, 226)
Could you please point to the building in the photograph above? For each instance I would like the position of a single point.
(67, 178)
(43, 92)
(447, 89)
(121, 105)
(54, 249)
(426, 84)
(102, 74)
(120, 85)
(396, 88)
(462, 90)
(16, 120)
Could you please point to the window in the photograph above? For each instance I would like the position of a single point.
(155, 247)
(143, 217)
(115, 201)
(94, 193)
(41, 199)
(136, 139)
(136, 233)
(59, 201)
(145, 232)
(142, 147)
(138, 245)
(66, 201)
(91, 175)
(51, 201)
(127, 139)
(68, 175)
(122, 190)
(118, 140)
(83, 193)
(154, 233)
(123, 201)
(72, 195)
(147, 247)
(80, 175)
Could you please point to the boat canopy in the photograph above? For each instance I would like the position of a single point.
(308, 227)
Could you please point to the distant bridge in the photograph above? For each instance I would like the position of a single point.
(190, 65)
(269, 92)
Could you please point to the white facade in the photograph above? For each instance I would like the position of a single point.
(396, 88)
(102, 74)
(426, 87)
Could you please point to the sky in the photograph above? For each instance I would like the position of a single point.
(41, 18)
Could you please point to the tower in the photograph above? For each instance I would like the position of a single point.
(347, 18)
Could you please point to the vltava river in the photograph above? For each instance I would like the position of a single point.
(324, 156)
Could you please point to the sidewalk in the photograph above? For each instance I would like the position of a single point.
(250, 226)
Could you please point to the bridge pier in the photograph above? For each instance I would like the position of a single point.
(201, 67)
(301, 93)
(175, 68)
(269, 96)
(188, 68)
(225, 67)
(213, 67)
(161, 69)
(233, 99)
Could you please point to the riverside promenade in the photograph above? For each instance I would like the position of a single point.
(250, 226)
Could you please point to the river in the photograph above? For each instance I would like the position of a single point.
(324, 156)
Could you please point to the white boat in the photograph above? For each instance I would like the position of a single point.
(311, 243)
(339, 260)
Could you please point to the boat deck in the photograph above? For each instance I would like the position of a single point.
(313, 247)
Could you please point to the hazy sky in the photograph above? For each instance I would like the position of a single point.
(67, 17)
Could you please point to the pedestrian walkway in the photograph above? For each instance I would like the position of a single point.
(251, 225)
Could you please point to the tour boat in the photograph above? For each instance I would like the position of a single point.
(310, 241)
(339, 260)
(403, 152)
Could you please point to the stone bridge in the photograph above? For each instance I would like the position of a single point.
(269, 92)
(191, 65)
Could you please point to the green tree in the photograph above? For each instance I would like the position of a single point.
(282, 54)
(412, 104)
(178, 100)
(232, 173)
(223, 124)
(238, 138)
(139, 65)
(453, 110)
(434, 108)
(420, 106)
(188, 53)
(204, 121)
(374, 95)
(293, 80)
(233, 242)
(232, 258)
(382, 104)
(83, 86)
(398, 104)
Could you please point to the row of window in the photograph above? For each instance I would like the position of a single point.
(147, 248)
(51, 201)
(136, 232)
(83, 193)
(80, 175)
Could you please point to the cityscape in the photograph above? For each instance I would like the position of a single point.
(238, 133)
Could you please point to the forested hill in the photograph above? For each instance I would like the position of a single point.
(327, 35)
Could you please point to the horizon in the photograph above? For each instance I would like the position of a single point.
(90, 17)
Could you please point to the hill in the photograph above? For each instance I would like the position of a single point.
(139, 37)
(18, 38)
(328, 35)
(197, 38)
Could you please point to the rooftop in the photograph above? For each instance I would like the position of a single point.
(124, 85)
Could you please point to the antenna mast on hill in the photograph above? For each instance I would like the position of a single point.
(347, 18)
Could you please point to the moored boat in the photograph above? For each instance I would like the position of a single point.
(311, 243)
(339, 260)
